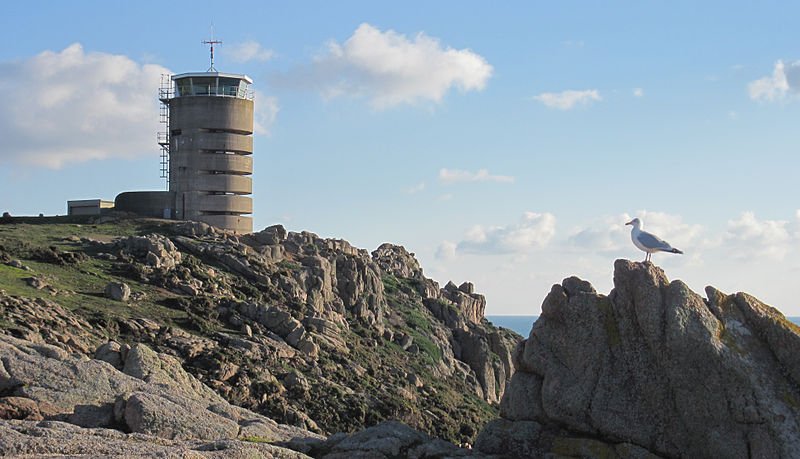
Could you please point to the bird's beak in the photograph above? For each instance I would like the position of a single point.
(629, 223)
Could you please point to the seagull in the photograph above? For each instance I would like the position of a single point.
(648, 242)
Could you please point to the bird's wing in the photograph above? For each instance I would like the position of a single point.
(651, 241)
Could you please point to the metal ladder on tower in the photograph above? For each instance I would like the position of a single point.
(165, 93)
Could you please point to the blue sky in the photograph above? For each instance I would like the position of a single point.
(504, 144)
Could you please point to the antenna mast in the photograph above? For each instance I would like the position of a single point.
(212, 42)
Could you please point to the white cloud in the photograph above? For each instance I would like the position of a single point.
(449, 176)
(638, 92)
(446, 197)
(607, 235)
(446, 251)
(533, 232)
(417, 188)
(748, 238)
(390, 69)
(265, 111)
(568, 99)
(73, 106)
(248, 51)
(671, 228)
(785, 78)
(611, 235)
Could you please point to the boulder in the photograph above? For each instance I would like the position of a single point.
(19, 265)
(194, 229)
(145, 364)
(35, 282)
(172, 417)
(117, 291)
(270, 235)
(25, 408)
(110, 352)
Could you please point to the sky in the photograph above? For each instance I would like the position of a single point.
(504, 143)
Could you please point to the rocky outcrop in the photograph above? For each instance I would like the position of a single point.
(476, 352)
(397, 261)
(154, 250)
(468, 303)
(153, 395)
(386, 440)
(44, 321)
(306, 330)
(54, 438)
(652, 368)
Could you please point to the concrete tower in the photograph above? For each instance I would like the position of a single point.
(210, 148)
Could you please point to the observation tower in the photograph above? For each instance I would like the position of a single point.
(210, 147)
(206, 151)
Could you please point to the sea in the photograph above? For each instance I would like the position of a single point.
(523, 324)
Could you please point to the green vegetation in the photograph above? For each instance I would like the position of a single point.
(289, 265)
(79, 286)
(372, 381)
(257, 440)
(390, 284)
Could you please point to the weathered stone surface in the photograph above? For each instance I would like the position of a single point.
(395, 260)
(388, 439)
(52, 438)
(35, 282)
(25, 408)
(194, 229)
(154, 395)
(110, 352)
(172, 417)
(19, 265)
(270, 235)
(118, 291)
(656, 365)
(145, 364)
(471, 305)
(154, 250)
(44, 321)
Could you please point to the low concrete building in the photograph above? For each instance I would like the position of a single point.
(88, 206)
(153, 204)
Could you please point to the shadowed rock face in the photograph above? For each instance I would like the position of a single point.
(652, 368)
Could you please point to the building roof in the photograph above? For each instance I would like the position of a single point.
(212, 74)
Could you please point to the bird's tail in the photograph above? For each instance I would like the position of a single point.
(676, 251)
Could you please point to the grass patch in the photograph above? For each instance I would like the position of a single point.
(426, 345)
(415, 317)
(289, 265)
(257, 440)
(390, 284)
